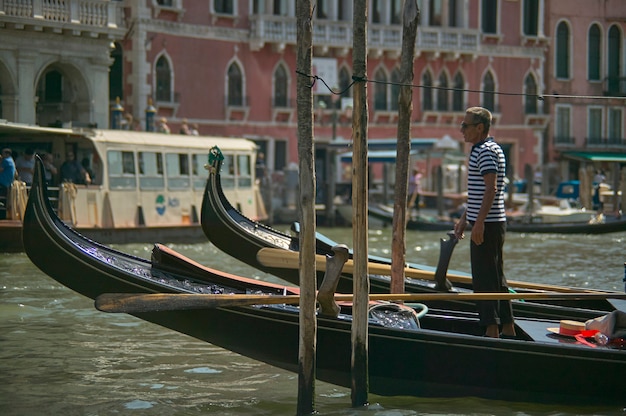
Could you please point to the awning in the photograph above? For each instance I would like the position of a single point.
(596, 156)
(381, 156)
(386, 144)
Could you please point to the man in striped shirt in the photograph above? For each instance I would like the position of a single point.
(485, 212)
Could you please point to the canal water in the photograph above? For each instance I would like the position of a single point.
(60, 356)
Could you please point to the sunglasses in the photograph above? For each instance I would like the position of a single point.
(465, 125)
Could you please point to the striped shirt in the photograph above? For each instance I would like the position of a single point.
(485, 157)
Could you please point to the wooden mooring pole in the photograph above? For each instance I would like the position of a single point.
(410, 18)
(308, 322)
(359, 208)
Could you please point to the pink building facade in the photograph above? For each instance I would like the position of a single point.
(229, 67)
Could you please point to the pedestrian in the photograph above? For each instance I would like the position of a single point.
(194, 130)
(25, 165)
(72, 171)
(7, 169)
(50, 171)
(7, 175)
(87, 167)
(486, 213)
(415, 189)
(184, 127)
(163, 127)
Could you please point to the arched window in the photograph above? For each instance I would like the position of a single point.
(442, 93)
(458, 93)
(280, 87)
(163, 80)
(235, 86)
(52, 87)
(489, 88)
(614, 61)
(562, 51)
(380, 91)
(530, 99)
(593, 54)
(427, 92)
(395, 89)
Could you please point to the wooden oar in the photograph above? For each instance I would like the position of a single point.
(287, 259)
(139, 302)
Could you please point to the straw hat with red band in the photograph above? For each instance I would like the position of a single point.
(572, 328)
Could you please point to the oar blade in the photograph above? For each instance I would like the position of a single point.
(138, 303)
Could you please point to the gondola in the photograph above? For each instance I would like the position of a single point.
(418, 222)
(243, 238)
(440, 354)
(610, 225)
(517, 225)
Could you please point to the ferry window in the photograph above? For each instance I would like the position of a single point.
(177, 165)
(198, 172)
(121, 170)
(151, 170)
(244, 179)
(227, 174)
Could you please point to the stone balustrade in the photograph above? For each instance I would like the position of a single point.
(92, 13)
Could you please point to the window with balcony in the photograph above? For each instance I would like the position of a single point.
(380, 91)
(562, 51)
(344, 11)
(455, 13)
(396, 12)
(458, 93)
(435, 12)
(321, 9)
(224, 6)
(235, 86)
(427, 91)
(163, 80)
(442, 92)
(489, 89)
(616, 82)
(530, 17)
(593, 53)
(281, 84)
(489, 16)
(377, 10)
(280, 8)
(562, 126)
(530, 97)
(615, 125)
(594, 125)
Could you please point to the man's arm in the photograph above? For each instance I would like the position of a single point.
(478, 229)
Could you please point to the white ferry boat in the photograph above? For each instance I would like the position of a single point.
(146, 187)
